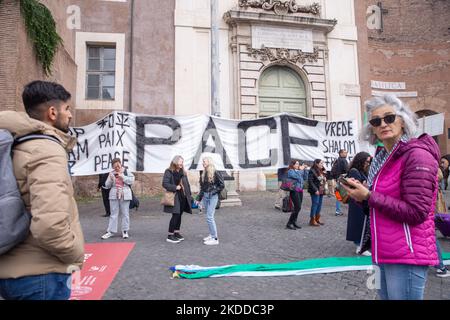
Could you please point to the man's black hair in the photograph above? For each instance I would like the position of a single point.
(37, 93)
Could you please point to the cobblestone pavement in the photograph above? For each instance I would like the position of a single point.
(253, 233)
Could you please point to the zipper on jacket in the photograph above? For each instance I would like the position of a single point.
(408, 236)
(373, 210)
(375, 243)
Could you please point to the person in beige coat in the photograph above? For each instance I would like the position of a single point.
(40, 267)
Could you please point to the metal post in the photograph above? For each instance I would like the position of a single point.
(215, 69)
(130, 83)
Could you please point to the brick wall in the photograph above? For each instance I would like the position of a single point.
(9, 15)
(414, 47)
(18, 63)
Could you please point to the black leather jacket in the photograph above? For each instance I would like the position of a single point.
(213, 187)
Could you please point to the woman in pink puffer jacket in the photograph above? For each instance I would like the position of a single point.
(401, 196)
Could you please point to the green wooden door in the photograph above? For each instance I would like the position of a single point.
(281, 90)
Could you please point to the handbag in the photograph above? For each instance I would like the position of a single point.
(134, 203)
(223, 194)
(286, 205)
(340, 193)
(287, 184)
(168, 199)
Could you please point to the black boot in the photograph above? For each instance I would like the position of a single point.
(296, 225)
(290, 226)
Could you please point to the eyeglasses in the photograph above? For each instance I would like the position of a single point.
(376, 122)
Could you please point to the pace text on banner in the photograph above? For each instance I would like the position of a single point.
(147, 143)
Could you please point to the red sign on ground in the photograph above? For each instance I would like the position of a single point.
(102, 261)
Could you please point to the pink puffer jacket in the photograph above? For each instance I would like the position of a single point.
(402, 205)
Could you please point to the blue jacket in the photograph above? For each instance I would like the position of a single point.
(299, 176)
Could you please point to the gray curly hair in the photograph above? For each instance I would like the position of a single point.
(401, 109)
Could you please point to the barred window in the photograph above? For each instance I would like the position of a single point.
(100, 72)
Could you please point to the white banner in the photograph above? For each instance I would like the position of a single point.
(433, 125)
(148, 143)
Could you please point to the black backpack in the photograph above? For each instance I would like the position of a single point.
(334, 170)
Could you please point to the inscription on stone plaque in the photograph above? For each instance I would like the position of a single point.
(387, 85)
(287, 38)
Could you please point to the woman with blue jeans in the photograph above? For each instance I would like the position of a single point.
(299, 174)
(401, 195)
(316, 188)
(211, 183)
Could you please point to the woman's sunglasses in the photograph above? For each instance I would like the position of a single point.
(376, 122)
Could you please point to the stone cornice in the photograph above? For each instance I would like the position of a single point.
(281, 7)
(283, 55)
(234, 17)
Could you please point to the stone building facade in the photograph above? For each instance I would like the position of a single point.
(275, 56)
(316, 58)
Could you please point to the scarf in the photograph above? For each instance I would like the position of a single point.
(379, 160)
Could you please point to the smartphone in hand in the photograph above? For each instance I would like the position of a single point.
(344, 180)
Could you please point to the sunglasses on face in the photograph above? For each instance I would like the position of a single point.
(376, 122)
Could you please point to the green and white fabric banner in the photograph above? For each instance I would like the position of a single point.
(297, 268)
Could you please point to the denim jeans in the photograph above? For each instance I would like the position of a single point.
(52, 286)
(402, 281)
(338, 206)
(209, 205)
(316, 205)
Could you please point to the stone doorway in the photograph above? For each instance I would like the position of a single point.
(281, 90)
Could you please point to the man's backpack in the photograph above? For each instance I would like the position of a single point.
(14, 218)
(334, 169)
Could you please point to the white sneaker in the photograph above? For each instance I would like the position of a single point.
(107, 235)
(125, 234)
(211, 242)
(365, 253)
(209, 237)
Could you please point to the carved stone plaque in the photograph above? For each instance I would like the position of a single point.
(289, 38)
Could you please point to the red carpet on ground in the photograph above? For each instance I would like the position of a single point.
(102, 261)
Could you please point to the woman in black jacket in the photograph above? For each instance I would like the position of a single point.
(316, 188)
(359, 169)
(175, 180)
(211, 183)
